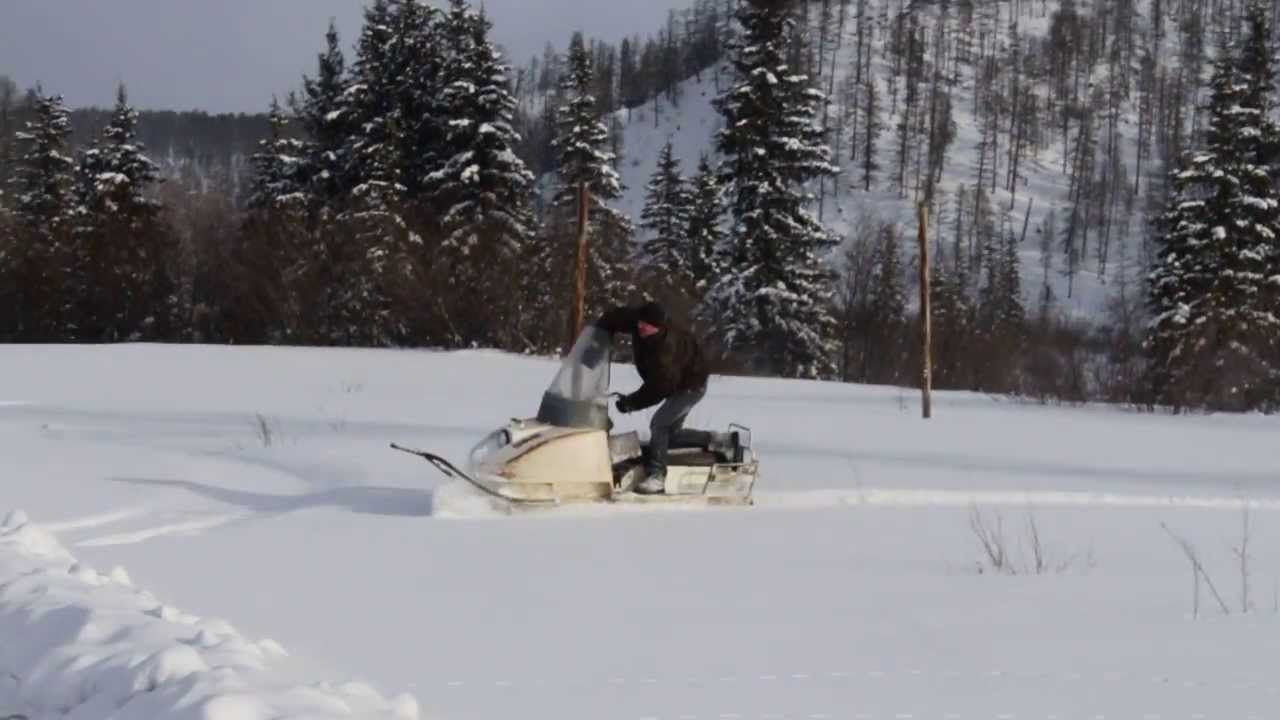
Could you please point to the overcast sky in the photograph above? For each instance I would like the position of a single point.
(231, 55)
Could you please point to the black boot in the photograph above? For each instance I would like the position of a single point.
(727, 445)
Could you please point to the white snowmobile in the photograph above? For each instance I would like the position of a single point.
(567, 455)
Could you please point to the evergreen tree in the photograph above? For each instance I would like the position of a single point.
(277, 283)
(1001, 315)
(394, 97)
(775, 297)
(581, 144)
(43, 180)
(372, 152)
(952, 319)
(666, 215)
(581, 140)
(484, 188)
(1013, 313)
(327, 262)
(379, 248)
(704, 235)
(1255, 63)
(886, 311)
(38, 258)
(1214, 329)
(418, 64)
(326, 117)
(279, 179)
(124, 257)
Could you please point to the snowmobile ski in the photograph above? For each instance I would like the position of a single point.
(450, 470)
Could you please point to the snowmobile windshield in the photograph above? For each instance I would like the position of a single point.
(579, 395)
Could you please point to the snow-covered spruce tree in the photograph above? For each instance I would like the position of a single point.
(377, 267)
(418, 65)
(484, 189)
(773, 302)
(277, 260)
(372, 153)
(394, 100)
(326, 257)
(704, 234)
(665, 252)
(1214, 329)
(1256, 58)
(326, 117)
(280, 181)
(124, 256)
(1255, 65)
(583, 158)
(43, 178)
(37, 259)
(371, 99)
(483, 185)
(581, 141)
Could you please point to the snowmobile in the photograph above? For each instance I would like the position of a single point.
(567, 453)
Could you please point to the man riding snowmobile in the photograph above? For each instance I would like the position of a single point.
(674, 371)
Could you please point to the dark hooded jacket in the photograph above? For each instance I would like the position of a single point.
(669, 362)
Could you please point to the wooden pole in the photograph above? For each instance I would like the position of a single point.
(580, 285)
(926, 337)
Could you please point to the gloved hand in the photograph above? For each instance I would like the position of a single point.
(624, 405)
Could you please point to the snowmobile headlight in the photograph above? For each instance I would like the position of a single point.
(492, 443)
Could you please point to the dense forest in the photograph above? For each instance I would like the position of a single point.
(419, 191)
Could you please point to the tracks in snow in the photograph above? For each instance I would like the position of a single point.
(188, 527)
(169, 524)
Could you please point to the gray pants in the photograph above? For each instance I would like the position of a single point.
(667, 429)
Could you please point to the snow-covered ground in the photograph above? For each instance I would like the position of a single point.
(256, 485)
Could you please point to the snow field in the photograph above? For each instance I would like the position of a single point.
(82, 645)
(856, 588)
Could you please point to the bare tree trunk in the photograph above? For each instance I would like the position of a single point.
(580, 286)
(831, 89)
(995, 127)
(926, 339)
(1026, 221)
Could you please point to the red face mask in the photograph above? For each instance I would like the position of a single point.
(647, 330)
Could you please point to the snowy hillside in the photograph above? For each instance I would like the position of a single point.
(994, 58)
(256, 485)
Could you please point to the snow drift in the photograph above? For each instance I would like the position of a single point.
(78, 644)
